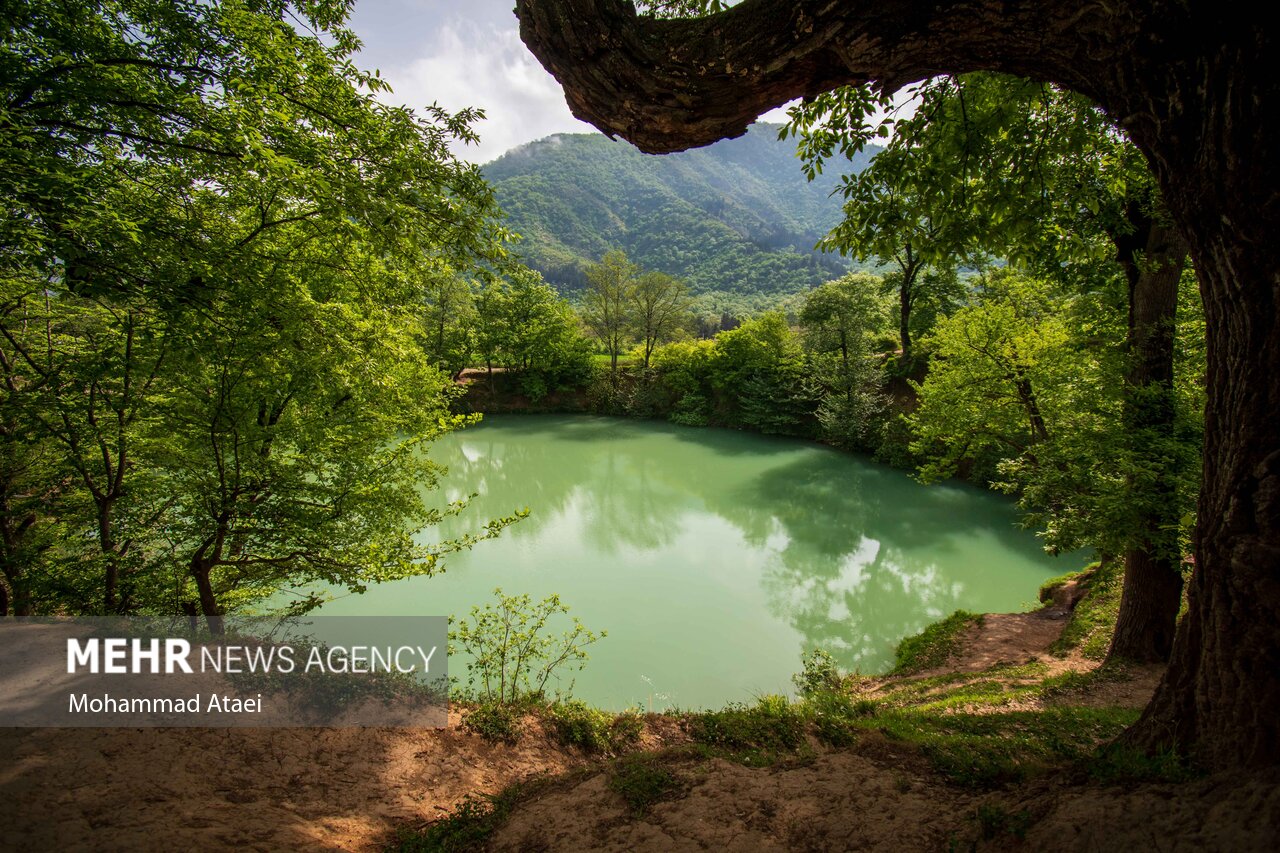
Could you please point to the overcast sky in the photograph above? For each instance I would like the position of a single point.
(462, 53)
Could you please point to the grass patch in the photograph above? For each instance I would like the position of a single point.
(1049, 587)
(606, 360)
(999, 685)
(578, 724)
(753, 735)
(494, 722)
(835, 715)
(934, 645)
(1093, 621)
(642, 780)
(984, 691)
(1078, 682)
(995, 820)
(983, 750)
(1118, 764)
(468, 826)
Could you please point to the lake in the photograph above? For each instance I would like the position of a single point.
(714, 559)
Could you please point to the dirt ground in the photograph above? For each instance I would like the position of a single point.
(348, 789)
(842, 801)
(245, 789)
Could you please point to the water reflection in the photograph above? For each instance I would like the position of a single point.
(714, 558)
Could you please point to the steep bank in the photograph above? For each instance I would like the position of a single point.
(991, 750)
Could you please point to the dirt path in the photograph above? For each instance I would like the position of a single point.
(1009, 638)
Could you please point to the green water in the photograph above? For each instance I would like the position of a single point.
(713, 558)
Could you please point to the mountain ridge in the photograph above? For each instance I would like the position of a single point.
(737, 217)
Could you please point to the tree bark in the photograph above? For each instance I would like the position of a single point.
(106, 542)
(1194, 85)
(904, 320)
(668, 85)
(1152, 592)
(201, 572)
(13, 580)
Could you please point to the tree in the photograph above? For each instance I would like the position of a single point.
(449, 320)
(840, 318)
(524, 325)
(1037, 175)
(1193, 87)
(757, 372)
(661, 308)
(607, 304)
(293, 450)
(96, 367)
(990, 387)
(897, 215)
(169, 176)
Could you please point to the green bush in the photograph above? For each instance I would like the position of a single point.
(691, 410)
(469, 824)
(464, 828)
(819, 673)
(751, 733)
(494, 722)
(642, 780)
(513, 654)
(578, 724)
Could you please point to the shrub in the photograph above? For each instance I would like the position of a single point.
(819, 673)
(578, 724)
(513, 655)
(642, 780)
(494, 722)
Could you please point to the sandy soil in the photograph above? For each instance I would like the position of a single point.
(347, 789)
(842, 801)
(837, 801)
(139, 789)
(245, 789)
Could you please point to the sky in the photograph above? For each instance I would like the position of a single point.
(461, 53)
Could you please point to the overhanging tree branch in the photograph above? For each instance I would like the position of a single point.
(670, 84)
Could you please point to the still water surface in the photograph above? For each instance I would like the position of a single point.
(713, 558)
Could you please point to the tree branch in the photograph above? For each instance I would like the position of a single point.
(670, 84)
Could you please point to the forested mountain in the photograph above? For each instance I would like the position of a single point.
(738, 216)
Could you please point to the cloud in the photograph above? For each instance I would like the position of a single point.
(471, 64)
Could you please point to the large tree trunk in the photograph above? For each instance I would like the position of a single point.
(1193, 83)
(1152, 566)
(1219, 695)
